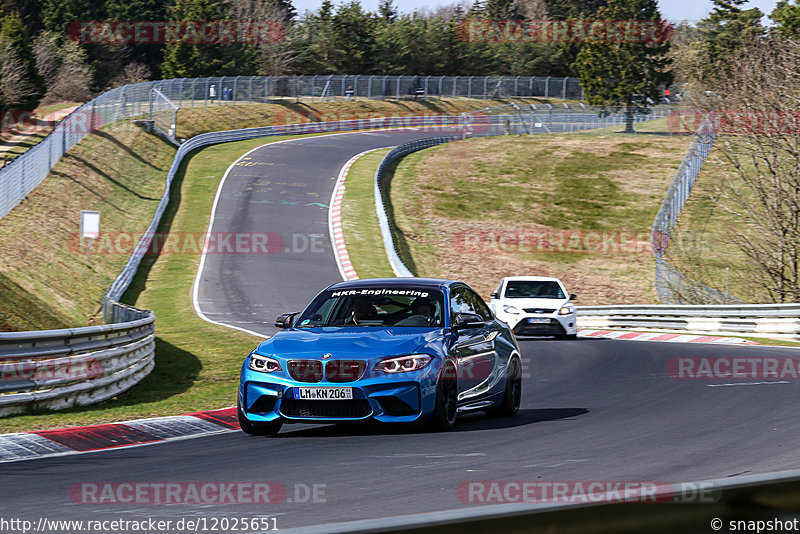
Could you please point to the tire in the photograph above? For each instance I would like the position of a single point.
(257, 429)
(513, 393)
(571, 336)
(446, 403)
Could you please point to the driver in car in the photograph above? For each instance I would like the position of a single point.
(422, 306)
(362, 310)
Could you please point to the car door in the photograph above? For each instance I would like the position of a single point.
(475, 347)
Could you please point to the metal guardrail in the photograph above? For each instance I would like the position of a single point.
(393, 155)
(59, 369)
(780, 320)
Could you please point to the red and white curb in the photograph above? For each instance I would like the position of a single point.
(660, 336)
(335, 220)
(60, 442)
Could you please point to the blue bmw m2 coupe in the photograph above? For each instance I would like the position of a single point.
(393, 350)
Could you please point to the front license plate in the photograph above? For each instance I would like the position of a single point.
(538, 320)
(323, 393)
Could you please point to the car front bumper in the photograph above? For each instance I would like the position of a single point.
(543, 324)
(389, 399)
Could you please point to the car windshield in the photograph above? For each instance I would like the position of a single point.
(375, 307)
(534, 289)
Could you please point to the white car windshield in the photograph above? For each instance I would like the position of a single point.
(534, 289)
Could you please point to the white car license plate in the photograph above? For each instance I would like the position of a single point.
(538, 320)
(323, 393)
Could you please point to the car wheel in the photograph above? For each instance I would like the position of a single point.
(513, 393)
(571, 336)
(444, 413)
(257, 429)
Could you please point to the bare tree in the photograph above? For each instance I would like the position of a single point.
(63, 66)
(755, 113)
(15, 87)
(133, 72)
(532, 9)
(275, 56)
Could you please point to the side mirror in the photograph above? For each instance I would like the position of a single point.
(573, 296)
(463, 321)
(493, 295)
(285, 320)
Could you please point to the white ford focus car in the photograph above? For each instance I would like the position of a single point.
(535, 306)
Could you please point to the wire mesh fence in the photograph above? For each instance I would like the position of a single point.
(159, 101)
(674, 287)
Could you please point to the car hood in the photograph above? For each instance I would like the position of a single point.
(346, 342)
(549, 304)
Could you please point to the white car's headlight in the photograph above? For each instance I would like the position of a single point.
(403, 364)
(566, 309)
(263, 364)
(511, 309)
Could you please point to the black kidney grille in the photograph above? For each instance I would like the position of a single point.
(344, 370)
(306, 370)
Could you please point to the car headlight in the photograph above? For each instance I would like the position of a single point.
(511, 309)
(566, 309)
(263, 364)
(403, 364)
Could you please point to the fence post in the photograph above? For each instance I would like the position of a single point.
(564, 89)
(547, 87)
